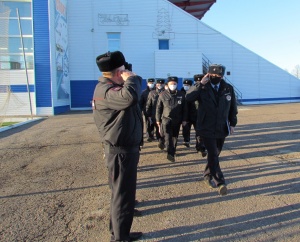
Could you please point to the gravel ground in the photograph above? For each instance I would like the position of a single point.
(53, 183)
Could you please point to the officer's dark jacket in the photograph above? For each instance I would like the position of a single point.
(171, 107)
(216, 112)
(152, 102)
(143, 100)
(117, 114)
(192, 110)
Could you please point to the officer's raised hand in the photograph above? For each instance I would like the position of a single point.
(205, 79)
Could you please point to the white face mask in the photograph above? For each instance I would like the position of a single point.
(186, 87)
(159, 87)
(151, 85)
(172, 87)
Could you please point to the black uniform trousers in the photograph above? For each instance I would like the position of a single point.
(213, 169)
(171, 132)
(186, 131)
(149, 127)
(159, 135)
(122, 169)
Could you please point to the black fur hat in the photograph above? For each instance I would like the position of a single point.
(198, 77)
(188, 82)
(110, 61)
(160, 81)
(152, 80)
(216, 69)
(173, 79)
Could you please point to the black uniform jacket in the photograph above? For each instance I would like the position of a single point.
(143, 100)
(192, 110)
(171, 106)
(216, 112)
(152, 102)
(117, 113)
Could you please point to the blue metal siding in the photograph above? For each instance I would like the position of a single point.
(61, 109)
(82, 93)
(42, 53)
(16, 88)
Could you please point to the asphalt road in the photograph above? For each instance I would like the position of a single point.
(53, 183)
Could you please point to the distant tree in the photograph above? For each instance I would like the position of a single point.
(296, 71)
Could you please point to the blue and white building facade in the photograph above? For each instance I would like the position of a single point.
(63, 38)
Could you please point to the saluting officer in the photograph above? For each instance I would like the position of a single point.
(217, 117)
(171, 113)
(115, 103)
(143, 101)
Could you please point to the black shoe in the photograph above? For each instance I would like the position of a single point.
(134, 236)
(222, 190)
(171, 158)
(137, 213)
(150, 139)
(186, 144)
(204, 153)
(208, 182)
(161, 145)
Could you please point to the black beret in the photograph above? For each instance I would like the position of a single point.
(188, 82)
(110, 61)
(216, 69)
(150, 80)
(173, 79)
(160, 80)
(198, 77)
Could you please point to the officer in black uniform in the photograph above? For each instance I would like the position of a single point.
(171, 113)
(217, 117)
(151, 110)
(186, 129)
(200, 147)
(115, 103)
(143, 101)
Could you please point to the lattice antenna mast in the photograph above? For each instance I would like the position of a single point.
(163, 25)
(25, 62)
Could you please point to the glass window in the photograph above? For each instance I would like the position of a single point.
(163, 44)
(10, 41)
(25, 27)
(114, 41)
(15, 45)
(24, 8)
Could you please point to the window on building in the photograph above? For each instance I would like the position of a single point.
(11, 51)
(163, 44)
(114, 41)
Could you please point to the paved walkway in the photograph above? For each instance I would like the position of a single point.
(53, 184)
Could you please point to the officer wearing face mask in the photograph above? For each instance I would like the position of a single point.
(151, 110)
(171, 112)
(192, 114)
(217, 117)
(144, 96)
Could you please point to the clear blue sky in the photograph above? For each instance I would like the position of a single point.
(269, 28)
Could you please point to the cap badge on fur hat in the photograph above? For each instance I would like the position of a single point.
(110, 61)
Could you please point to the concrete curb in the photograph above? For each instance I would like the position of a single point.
(19, 124)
